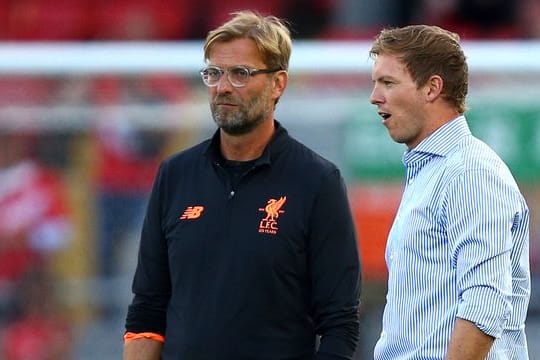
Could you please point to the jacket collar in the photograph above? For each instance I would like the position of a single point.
(275, 146)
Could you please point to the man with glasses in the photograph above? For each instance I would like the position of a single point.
(248, 248)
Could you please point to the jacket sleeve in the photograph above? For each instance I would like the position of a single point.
(151, 283)
(335, 269)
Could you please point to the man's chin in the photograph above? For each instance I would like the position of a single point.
(238, 129)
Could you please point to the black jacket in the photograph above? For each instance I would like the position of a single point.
(253, 271)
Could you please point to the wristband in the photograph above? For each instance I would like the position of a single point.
(129, 336)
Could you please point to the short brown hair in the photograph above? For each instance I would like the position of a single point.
(271, 35)
(425, 51)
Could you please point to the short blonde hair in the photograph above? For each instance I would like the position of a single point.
(270, 34)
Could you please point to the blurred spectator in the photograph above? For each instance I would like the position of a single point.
(128, 156)
(364, 19)
(488, 18)
(473, 19)
(40, 331)
(34, 215)
(435, 12)
(309, 18)
(529, 19)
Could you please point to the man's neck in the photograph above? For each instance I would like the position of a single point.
(248, 146)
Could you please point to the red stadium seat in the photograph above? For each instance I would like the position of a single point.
(219, 11)
(4, 12)
(48, 20)
(143, 19)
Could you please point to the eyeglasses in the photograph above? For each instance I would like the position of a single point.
(238, 75)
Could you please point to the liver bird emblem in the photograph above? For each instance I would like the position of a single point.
(273, 208)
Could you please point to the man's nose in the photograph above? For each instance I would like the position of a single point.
(224, 84)
(375, 98)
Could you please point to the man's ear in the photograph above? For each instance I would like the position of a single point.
(281, 79)
(433, 88)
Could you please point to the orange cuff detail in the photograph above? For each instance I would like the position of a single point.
(129, 336)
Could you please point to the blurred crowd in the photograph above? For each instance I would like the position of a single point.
(78, 155)
(94, 20)
(34, 225)
(71, 201)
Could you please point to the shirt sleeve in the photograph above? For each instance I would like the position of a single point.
(151, 283)
(481, 209)
(335, 269)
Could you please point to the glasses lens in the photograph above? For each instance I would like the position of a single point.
(239, 75)
(211, 75)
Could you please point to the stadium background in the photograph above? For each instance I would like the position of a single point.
(96, 93)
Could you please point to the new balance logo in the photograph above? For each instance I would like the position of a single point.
(192, 212)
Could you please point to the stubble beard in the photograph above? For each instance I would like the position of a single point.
(245, 118)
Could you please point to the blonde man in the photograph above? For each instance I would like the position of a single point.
(248, 248)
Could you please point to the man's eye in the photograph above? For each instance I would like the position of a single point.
(240, 73)
(212, 73)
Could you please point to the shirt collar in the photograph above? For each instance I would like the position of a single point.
(442, 141)
(274, 147)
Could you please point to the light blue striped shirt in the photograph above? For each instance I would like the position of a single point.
(459, 247)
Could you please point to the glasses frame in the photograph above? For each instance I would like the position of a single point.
(251, 72)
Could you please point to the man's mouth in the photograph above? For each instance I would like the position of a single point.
(384, 115)
(225, 101)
